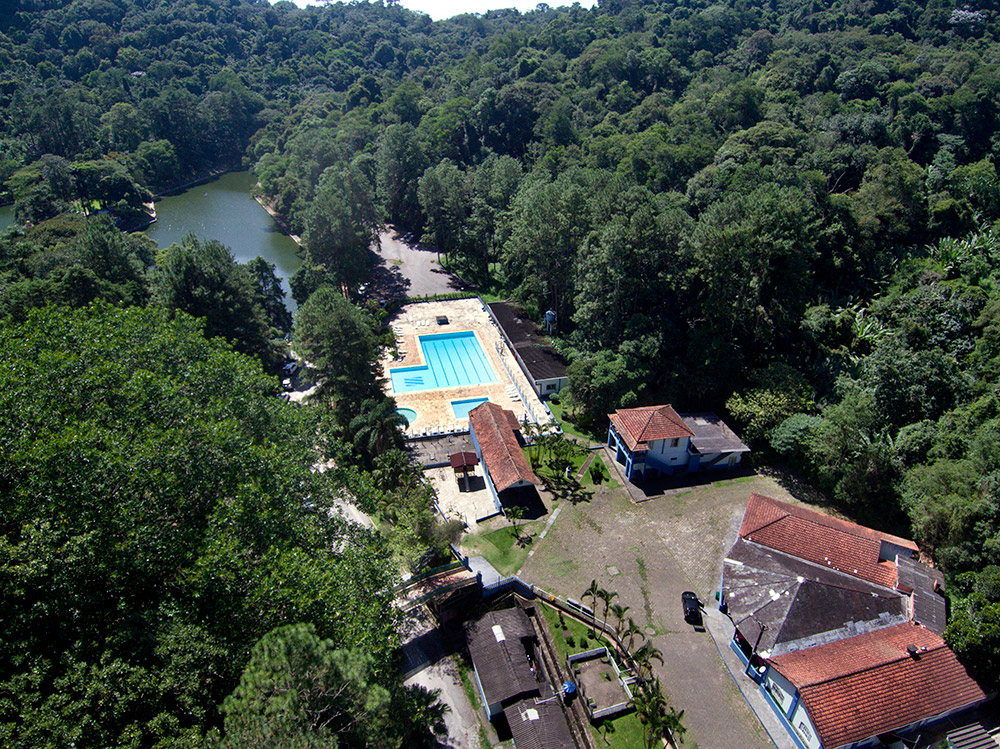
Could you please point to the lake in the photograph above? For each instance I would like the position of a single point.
(224, 209)
(6, 217)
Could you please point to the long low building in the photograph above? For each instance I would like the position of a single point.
(540, 362)
(494, 433)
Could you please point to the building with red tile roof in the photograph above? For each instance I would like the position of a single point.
(892, 680)
(838, 544)
(824, 611)
(656, 440)
(494, 435)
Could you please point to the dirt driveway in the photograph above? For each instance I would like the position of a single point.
(649, 553)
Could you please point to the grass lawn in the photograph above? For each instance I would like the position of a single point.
(622, 732)
(500, 549)
(568, 427)
(578, 455)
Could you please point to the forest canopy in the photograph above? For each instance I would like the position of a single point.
(786, 212)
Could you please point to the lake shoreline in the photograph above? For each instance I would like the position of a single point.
(224, 208)
(278, 219)
(202, 179)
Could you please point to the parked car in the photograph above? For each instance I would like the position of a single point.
(691, 606)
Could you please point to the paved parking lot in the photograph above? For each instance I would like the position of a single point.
(649, 553)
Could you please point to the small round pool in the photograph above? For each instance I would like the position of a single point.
(407, 413)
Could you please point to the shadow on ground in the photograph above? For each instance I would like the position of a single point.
(649, 488)
(529, 500)
(386, 281)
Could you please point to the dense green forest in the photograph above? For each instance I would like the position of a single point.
(784, 211)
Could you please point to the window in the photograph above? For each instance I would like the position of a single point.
(804, 730)
(550, 386)
(674, 442)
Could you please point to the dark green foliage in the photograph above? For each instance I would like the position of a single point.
(270, 295)
(71, 260)
(202, 279)
(974, 629)
(338, 339)
(159, 517)
(300, 690)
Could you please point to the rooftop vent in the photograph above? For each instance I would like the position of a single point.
(913, 651)
(498, 633)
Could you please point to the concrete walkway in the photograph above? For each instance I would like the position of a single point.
(480, 565)
(427, 664)
(721, 629)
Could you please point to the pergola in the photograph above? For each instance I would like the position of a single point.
(462, 463)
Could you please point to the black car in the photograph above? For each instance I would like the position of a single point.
(692, 607)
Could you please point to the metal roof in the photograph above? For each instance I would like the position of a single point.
(495, 644)
(541, 360)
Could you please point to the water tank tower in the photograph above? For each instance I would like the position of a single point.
(550, 320)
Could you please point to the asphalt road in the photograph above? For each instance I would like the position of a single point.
(417, 266)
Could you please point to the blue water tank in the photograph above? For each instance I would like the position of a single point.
(569, 687)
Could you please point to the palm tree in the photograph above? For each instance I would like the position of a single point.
(376, 427)
(592, 591)
(515, 513)
(630, 632)
(650, 706)
(606, 596)
(644, 658)
(619, 612)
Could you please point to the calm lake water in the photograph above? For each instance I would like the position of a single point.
(6, 217)
(223, 209)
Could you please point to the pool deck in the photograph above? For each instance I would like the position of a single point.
(434, 412)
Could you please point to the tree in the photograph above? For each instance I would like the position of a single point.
(299, 690)
(400, 163)
(181, 522)
(973, 631)
(270, 295)
(651, 707)
(376, 428)
(443, 202)
(203, 279)
(515, 514)
(606, 596)
(338, 340)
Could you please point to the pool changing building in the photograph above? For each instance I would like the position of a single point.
(494, 433)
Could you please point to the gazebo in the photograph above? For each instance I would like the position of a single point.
(463, 463)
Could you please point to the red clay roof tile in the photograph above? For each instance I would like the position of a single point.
(869, 684)
(494, 428)
(838, 544)
(640, 426)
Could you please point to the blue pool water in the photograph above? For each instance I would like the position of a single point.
(462, 408)
(453, 359)
(407, 413)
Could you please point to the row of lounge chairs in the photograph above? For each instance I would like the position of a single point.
(439, 431)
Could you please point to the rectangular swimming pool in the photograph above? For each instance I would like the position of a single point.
(461, 408)
(453, 359)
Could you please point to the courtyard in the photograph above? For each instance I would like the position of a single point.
(648, 554)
